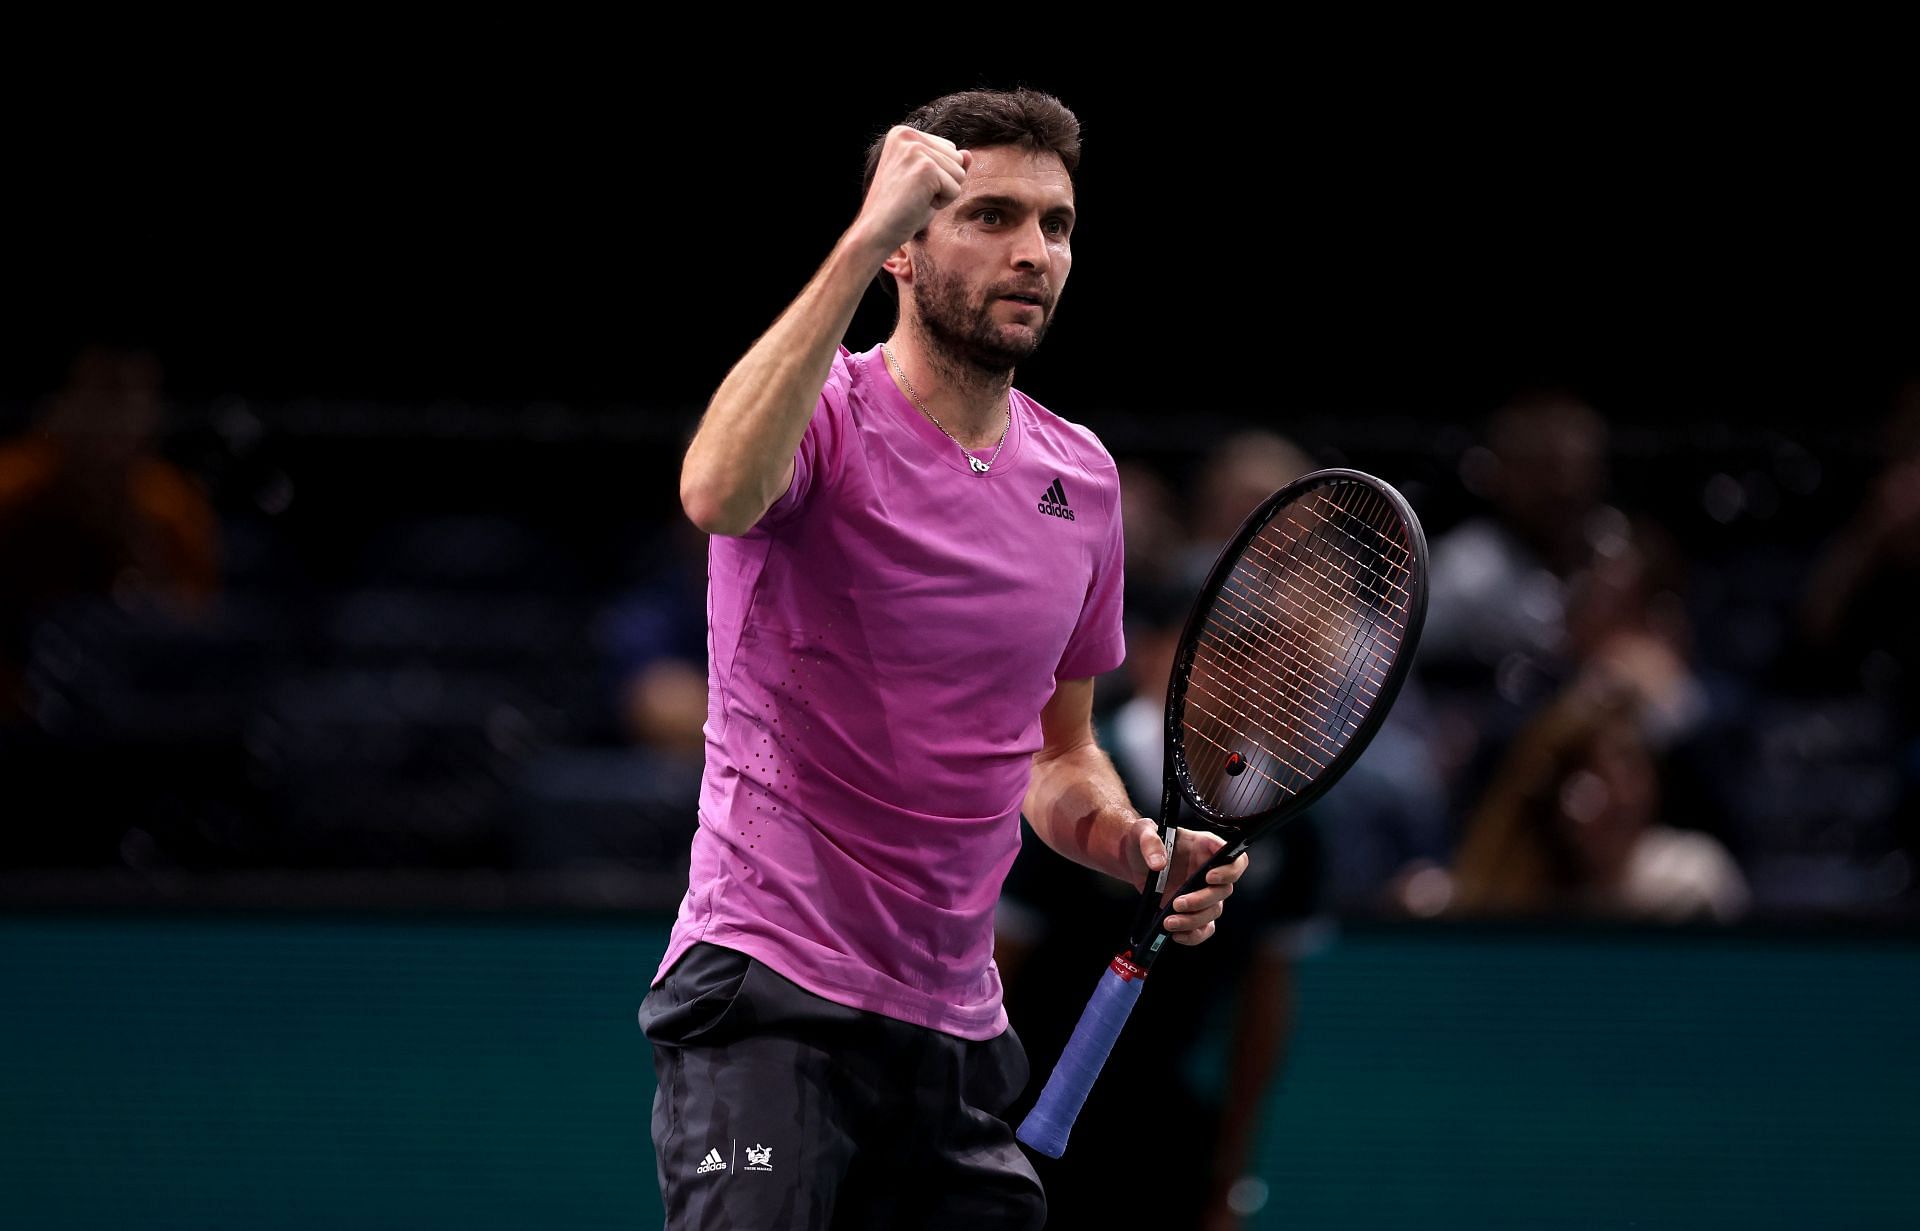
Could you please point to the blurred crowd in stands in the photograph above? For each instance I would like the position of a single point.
(1668, 672)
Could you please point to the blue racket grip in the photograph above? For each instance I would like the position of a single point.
(1047, 1125)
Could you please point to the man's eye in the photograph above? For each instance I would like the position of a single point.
(1057, 226)
(990, 216)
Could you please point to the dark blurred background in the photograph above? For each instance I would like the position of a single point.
(342, 570)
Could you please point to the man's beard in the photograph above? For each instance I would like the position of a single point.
(966, 330)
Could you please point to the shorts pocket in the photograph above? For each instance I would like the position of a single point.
(997, 1072)
(697, 998)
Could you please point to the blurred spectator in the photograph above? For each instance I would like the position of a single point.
(1573, 825)
(1497, 615)
(1388, 814)
(1236, 475)
(622, 795)
(1551, 582)
(1155, 530)
(1626, 620)
(90, 508)
(1860, 638)
(1857, 612)
(652, 636)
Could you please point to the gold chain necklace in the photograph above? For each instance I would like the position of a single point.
(979, 467)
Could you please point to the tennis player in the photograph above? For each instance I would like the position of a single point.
(914, 577)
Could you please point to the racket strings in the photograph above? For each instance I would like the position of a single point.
(1232, 721)
(1348, 580)
(1278, 786)
(1352, 519)
(1349, 601)
(1371, 675)
(1302, 745)
(1324, 707)
(1394, 625)
(1256, 584)
(1338, 571)
(1359, 578)
(1267, 773)
(1368, 515)
(1368, 576)
(1261, 632)
(1239, 709)
(1296, 646)
(1363, 573)
(1246, 630)
(1259, 622)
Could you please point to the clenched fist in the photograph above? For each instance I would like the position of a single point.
(918, 173)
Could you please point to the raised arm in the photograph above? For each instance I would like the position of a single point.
(741, 457)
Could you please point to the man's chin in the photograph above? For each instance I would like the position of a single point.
(1016, 340)
(994, 347)
(995, 355)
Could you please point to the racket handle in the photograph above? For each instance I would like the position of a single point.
(1047, 1125)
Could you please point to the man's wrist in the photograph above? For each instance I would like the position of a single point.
(862, 248)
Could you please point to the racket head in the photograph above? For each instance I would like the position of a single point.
(1294, 649)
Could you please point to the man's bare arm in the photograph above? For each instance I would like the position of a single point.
(1078, 805)
(741, 458)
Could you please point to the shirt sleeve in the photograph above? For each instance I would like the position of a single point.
(816, 460)
(1099, 643)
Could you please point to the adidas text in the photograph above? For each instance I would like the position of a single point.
(1053, 501)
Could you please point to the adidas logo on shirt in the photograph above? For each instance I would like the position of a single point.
(712, 1162)
(1053, 502)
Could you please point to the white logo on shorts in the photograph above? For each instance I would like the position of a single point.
(712, 1162)
(759, 1158)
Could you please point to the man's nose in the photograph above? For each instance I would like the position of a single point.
(1030, 250)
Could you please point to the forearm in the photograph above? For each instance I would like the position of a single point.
(741, 457)
(1078, 805)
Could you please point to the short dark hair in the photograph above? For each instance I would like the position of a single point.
(980, 119)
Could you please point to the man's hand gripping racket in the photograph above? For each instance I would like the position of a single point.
(1294, 650)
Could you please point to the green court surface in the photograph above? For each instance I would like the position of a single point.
(258, 1070)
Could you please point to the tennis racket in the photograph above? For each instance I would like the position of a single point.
(1294, 650)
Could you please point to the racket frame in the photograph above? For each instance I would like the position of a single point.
(1047, 1126)
(1150, 918)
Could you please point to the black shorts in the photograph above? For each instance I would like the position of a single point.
(777, 1109)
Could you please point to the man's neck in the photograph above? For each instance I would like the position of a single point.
(967, 402)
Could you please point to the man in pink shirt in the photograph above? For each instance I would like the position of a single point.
(913, 577)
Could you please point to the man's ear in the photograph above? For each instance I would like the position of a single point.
(900, 265)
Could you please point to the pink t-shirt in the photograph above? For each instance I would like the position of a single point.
(880, 647)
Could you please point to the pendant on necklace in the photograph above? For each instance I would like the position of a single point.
(979, 467)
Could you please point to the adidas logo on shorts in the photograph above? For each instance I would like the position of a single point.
(712, 1162)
